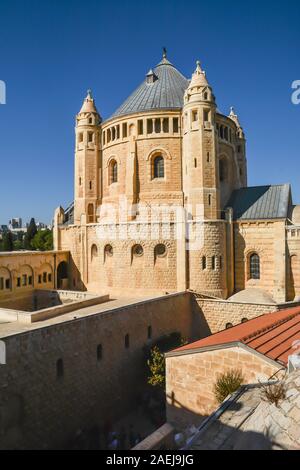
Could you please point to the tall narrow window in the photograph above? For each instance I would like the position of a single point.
(149, 126)
(157, 126)
(175, 125)
(59, 369)
(149, 335)
(127, 344)
(222, 170)
(113, 170)
(140, 127)
(124, 129)
(254, 266)
(213, 262)
(99, 352)
(158, 167)
(165, 124)
(90, 211)
(203, 262)
(209, 199)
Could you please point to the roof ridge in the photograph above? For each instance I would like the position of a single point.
(269, 327)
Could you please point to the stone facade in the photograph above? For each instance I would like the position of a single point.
(191, 378)
(43, 401)
(23, 272)
(122, 195)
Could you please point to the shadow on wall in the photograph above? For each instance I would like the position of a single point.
(75, 280)
(212, 434)
(199, 325)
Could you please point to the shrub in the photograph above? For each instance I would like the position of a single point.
(227, 383)
(272, 393)
(156, 364)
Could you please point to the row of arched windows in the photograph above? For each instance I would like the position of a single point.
(160, 250)
(215, 262)
(157, 169)
(148, 126)
(225, 133)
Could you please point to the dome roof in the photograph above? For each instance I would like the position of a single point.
(163, 88)
(252, 295)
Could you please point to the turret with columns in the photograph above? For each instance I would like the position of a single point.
(87, 161)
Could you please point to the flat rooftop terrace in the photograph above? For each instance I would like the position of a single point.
(10, 328)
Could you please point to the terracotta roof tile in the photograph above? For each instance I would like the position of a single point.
(271, 334)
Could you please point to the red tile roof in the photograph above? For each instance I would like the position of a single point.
(271, 334)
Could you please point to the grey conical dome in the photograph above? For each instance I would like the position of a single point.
(166, 92)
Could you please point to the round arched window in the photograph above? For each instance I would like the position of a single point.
(254, 263)
(108, 250)
(137, 250)
(244, 320)
(158, 167)
(228, 325)
(94, 251)
(160, 250)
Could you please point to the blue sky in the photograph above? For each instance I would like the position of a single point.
(51, 52)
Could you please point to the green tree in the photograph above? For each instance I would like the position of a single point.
(43, 240)
(8, 242)
(156, 364)
(30, 234)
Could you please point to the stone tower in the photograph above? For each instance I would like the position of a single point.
(199, 167)
(87, 162)
(206, 254)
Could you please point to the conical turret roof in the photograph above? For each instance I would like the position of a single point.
(88, 104)
(165, 92)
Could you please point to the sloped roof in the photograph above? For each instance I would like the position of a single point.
(261, 202)
(165, 92)
(271, 334)
(247, 422)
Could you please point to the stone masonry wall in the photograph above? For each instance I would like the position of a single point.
(190, 380)
(40, 409)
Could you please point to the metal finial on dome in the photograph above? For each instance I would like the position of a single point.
(164, 53)
(232, 110)
(89, 93)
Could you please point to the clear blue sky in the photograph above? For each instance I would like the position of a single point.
(52, 51)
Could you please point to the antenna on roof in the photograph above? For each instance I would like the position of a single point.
(164, 53)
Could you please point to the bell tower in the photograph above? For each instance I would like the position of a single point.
(87, 161)
(199, 148)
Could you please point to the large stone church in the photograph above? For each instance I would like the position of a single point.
(162, 202)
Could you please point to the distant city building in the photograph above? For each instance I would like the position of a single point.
(15, 223)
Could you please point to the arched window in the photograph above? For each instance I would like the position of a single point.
(108, 251)
(137, 250)
(149, 332)
(203, 262)
(94, 251)
(90, 211)
(158, 167)
(254, 262)
(127, 344)
(160, 250)
(228, 325)
(244, 320)
(113, 171)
